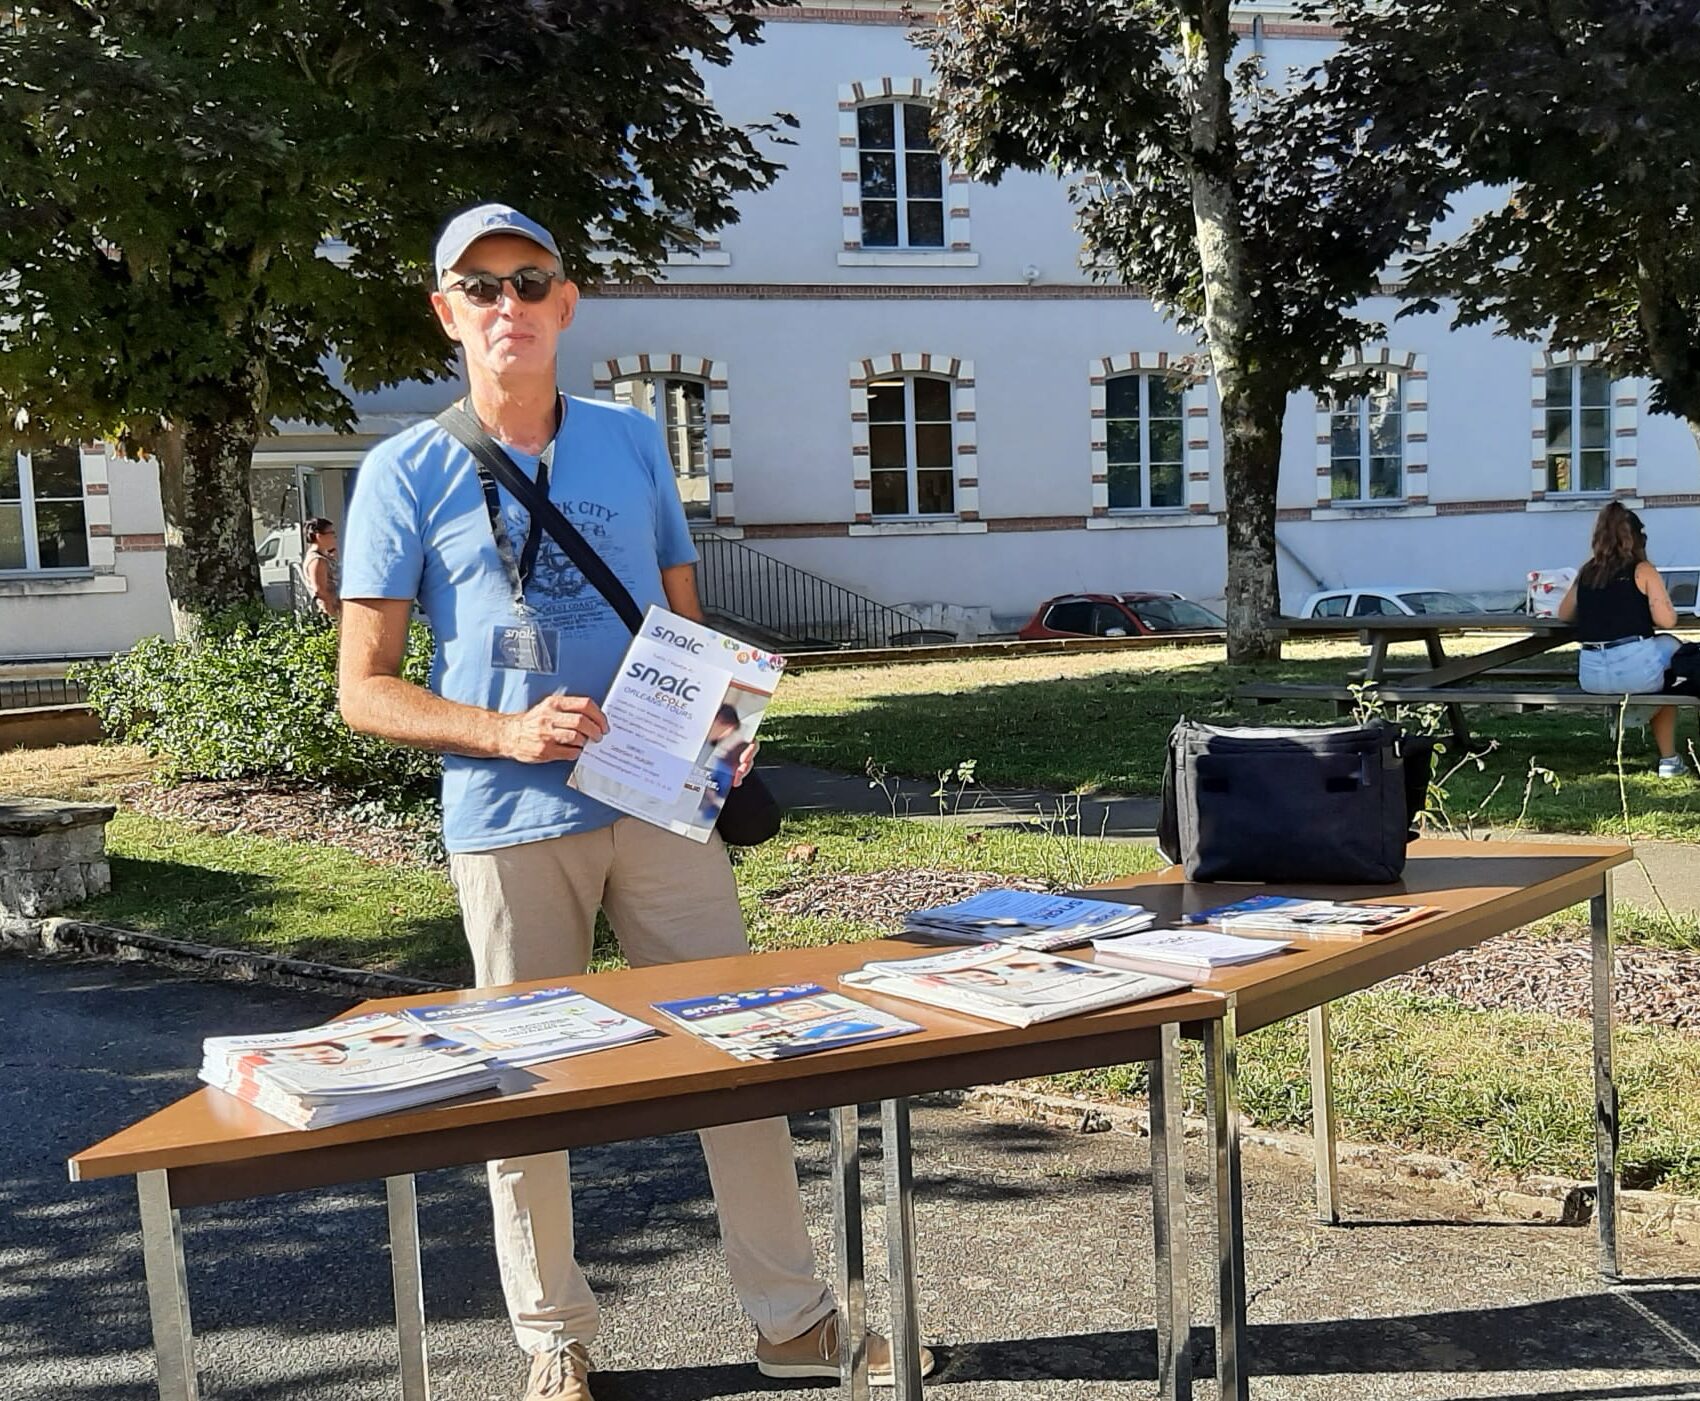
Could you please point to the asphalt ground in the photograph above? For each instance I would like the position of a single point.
(1035, 1268)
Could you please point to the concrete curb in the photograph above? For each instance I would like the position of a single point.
(78, 938)
(1533, 1199)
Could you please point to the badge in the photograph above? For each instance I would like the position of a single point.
(525, 647)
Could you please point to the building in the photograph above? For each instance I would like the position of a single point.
(905, 382)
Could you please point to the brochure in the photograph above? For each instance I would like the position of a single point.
(343, 1070)
(682, 712)
(1314, 919)
(777, 1023)
(1012, 985)
(1027, 918)
(524, 1028)
(1196, 952)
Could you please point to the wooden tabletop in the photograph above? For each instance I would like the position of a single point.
(1426, 622)
(216, 1148)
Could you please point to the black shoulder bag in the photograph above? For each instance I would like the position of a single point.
(750, 814)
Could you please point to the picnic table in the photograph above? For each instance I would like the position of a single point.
(1455, 681)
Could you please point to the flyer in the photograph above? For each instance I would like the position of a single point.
(682, 713)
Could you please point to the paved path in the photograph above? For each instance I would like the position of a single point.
(1035, 1270)
(1672, 869)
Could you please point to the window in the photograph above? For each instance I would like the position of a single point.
(1176, 615)
(1109, 621)
(1578, 446)
(911, 447)
(1334, 606)
(1145, 442)
(1070, 617)
(1368, 443)
(902, 176)
(680, 406)
(43, 524)
(268, 551)
(1683, 585)
(1437, 601)
(1372, 605)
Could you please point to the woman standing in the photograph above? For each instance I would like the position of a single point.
(1618, 602)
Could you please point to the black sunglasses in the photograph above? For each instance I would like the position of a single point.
(485, 288)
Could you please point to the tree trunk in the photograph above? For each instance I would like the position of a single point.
(1251, 460)
(1251, 423)
(210, 563)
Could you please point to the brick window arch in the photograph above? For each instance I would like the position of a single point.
(687, 395)
(1150, 440)
(1584, 427)
(899, 193)
(914, 449)
(1372, 449)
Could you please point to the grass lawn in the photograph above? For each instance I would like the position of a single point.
(1509, 1091)
(1098, 722)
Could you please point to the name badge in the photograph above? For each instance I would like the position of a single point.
(525, 647)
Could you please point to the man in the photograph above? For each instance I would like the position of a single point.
(525, 645)
(318, 567)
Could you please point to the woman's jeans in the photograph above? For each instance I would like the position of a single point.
(1634, 668)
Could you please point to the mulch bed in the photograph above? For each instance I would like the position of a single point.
(1514, 973)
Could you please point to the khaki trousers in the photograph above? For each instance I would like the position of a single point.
(530, 912)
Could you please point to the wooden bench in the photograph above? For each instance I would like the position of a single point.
(1270, 692)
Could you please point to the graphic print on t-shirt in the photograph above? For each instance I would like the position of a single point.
(557, 589)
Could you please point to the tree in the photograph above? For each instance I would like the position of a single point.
(209, 212)
(1199, 184)
(1589, 112)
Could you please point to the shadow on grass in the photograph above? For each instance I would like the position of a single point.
(265, 913)
(1107, 731)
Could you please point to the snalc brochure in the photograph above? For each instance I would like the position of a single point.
(1195, 952)
(1313, 919)
(776, 1023)
(1028, 918)
(1007, 984)
(385, 1062)
(682, 712)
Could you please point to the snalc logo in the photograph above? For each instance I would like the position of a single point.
(663, 633)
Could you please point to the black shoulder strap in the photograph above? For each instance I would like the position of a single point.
(496, 464)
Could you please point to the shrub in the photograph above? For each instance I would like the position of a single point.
(254, 698)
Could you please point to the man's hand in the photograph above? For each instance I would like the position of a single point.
(746, 763)
(557, 727)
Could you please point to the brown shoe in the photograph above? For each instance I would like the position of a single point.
(559, 1374)
(815, 1354)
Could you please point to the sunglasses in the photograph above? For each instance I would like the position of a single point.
(485, 288)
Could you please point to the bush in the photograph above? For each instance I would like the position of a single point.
(255, 698)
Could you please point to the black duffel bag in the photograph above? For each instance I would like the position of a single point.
(1334, 805)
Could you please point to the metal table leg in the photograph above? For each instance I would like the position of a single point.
(1221, 1077)
(408, 1277)
(847, 1218)
(1605, 1086)
(1168, 1223)
(900, 1249)
(168, 1289)
(1322, 1117)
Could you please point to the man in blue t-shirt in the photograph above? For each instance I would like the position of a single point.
(524, 646)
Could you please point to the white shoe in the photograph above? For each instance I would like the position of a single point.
(1673, 767)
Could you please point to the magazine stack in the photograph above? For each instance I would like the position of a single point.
(345, 1070)
(1027, 918)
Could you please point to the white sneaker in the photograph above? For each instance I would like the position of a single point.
(1673, 767)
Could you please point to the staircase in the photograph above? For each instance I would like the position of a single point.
(786, 608)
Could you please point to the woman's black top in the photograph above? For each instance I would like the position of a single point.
(1614, 609)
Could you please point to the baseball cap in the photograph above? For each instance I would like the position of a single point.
(483, 221)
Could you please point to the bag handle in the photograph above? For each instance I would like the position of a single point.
(491, 459)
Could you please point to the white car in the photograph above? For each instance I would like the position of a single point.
(1547, 588)
(280, 564)
(1409, 601)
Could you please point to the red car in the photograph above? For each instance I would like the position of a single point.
(1118, 615)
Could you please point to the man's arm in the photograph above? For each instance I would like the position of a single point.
(376, 701)
(679, 583)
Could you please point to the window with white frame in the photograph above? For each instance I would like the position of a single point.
(43, 522)
(1145, 442)
(911, 446)
(902, 176)
(1367, 442)
(680, 405)
(1578, 423)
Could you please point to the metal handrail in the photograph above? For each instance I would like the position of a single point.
(748, 587)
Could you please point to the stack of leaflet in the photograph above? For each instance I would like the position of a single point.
(352, 1069)
(1194, 953)
(1029, 919)
(523, 1028)
(777, 1023)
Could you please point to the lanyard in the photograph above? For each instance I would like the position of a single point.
(519, 572)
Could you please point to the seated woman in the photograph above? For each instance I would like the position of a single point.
(1618, 602)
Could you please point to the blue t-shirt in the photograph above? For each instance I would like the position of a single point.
(418, 527)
